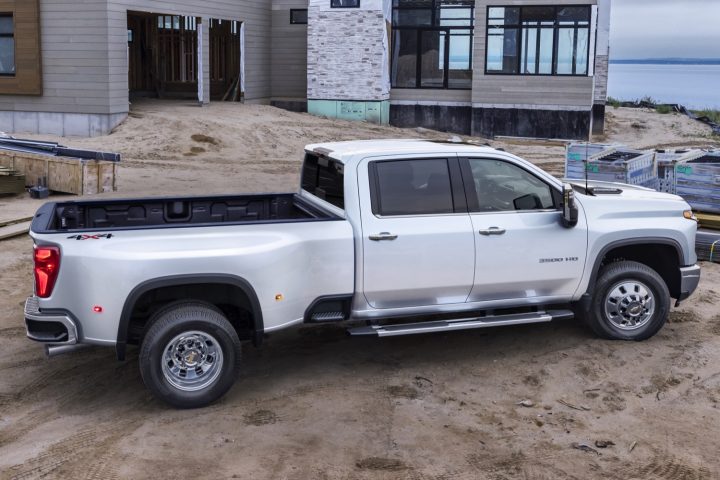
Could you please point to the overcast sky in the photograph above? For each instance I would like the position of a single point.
(665, 28)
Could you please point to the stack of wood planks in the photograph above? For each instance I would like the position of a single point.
(14, 228)
(11, 181)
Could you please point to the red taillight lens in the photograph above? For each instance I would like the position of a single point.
(47, 265)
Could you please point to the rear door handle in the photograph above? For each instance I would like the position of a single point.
(382, 236)
(492, 231)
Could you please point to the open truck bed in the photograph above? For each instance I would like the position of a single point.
(145, 213)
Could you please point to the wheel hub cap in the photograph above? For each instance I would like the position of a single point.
(192, 361)
(629, 305)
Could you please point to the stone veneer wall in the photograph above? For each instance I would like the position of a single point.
(346, 51)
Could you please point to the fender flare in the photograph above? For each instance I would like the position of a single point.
(179, 280)
(586, 298)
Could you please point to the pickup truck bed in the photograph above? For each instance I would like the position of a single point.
(109, 215)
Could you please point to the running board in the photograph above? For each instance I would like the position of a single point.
(461, 324)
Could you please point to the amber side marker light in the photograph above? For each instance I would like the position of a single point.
(690, 215)
(47, 266)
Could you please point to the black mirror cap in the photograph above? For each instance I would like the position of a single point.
(570, 208)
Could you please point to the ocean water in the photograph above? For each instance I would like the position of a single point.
(695, 86)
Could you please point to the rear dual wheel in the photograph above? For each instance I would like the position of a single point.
(190, 355)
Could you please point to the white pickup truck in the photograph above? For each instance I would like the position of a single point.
(394, 237)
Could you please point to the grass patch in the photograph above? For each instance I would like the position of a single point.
(664, 109)
(713, 115)
(613, 102)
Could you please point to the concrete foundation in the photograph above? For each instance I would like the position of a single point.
(490, 122)
(291, 105)
(446, 118)
(598, 119)
(60, 124)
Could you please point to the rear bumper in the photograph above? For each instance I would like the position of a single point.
(689, 280)
(56, 328)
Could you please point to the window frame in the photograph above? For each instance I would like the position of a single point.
(434, 27)
(292, 20)
(332, 5)
(555, 27)
(456, 187)
(473, 205)
(11, 15)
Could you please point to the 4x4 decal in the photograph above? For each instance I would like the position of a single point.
(91, 237)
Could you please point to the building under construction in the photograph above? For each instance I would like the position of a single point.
(483, 67)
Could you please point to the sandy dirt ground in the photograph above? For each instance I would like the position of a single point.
(533, 402)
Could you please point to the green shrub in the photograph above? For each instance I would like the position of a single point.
(614, 102)
(664, 109)
(713, 115)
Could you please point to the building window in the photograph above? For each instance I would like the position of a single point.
(432, 44)
(538, 40)
(7, 45)
(298, 17)
(344, 3)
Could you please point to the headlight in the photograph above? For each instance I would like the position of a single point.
(690, 215)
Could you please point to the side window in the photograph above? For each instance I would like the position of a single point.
(411, 187)
(501, 186)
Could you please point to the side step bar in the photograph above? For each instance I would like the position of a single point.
(460, 324)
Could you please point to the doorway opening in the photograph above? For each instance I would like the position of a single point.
(163, 57)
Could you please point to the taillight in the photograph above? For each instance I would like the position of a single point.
(47, 265)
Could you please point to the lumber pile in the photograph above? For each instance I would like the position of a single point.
(14, 228)
(11, 181)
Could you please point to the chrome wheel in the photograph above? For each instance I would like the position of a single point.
(192, 361)
(629, 305)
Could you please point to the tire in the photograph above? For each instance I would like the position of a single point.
(190, 355)
(630, 302)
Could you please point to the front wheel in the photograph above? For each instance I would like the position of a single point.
(630, 302)
(190, 355)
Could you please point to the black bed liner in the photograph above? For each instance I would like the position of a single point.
(147, 213)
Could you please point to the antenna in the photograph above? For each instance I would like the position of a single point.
(587, 164)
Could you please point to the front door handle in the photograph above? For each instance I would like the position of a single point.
(382, 236)
(492, 231)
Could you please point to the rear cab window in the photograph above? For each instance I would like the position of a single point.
(415, 187)
(324, 178)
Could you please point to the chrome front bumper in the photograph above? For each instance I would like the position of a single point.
(56, 328)
(689, 280)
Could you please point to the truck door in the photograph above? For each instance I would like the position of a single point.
(523, 250)
(418, 244)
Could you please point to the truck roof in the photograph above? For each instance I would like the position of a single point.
(349, 150)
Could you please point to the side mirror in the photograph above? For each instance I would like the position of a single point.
(570, 208)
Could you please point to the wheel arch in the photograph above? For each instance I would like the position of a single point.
(642, 250)
(186, 281)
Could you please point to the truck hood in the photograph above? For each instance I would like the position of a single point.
(626, 191)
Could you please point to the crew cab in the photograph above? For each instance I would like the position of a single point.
(392, 237)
